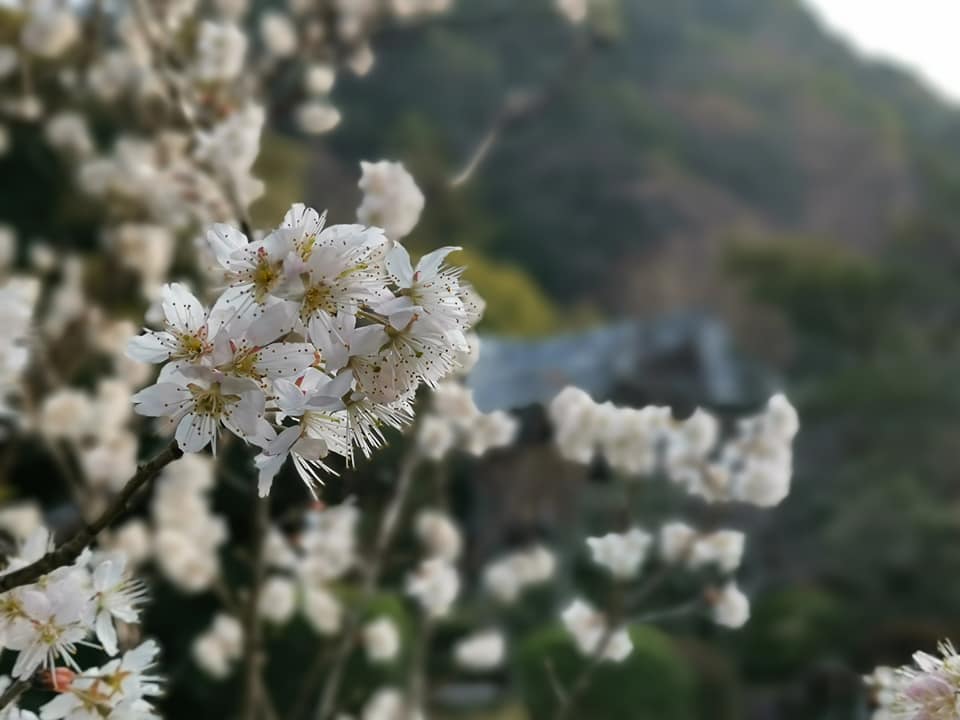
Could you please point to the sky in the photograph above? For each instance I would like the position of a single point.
(921, 34)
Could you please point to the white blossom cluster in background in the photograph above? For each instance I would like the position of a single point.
(330, 331)
(454, 422)
(752, 465)
(309, 342)
(83, 604)
(17, 300)
(928, 689)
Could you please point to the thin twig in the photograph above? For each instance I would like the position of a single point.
(311, 680)
(669, 613)
(13, 693)
(71, 549)
(385, 535)
(253, 658)
(555, 683)
(519, 105)
(418, 689)
(582, 683)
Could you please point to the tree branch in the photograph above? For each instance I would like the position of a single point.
(13, 692)
(385, 535)
(69, 551)
(253, 658)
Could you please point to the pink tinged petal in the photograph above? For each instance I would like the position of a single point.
(195, 432)
(161, 400)
(398, 265)
(151, 347)
(430, 263)
(106, 633)
(224, 241)
(182, 310)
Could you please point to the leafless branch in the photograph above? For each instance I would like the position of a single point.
(71, 549)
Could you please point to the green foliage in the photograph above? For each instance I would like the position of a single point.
(790, 630)
(282, 165)
(653, 683)
(828, 293)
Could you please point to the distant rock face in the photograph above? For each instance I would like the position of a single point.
(682, 361)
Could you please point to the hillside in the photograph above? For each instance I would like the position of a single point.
(684, 124)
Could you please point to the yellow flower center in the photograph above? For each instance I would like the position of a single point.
(211, 401)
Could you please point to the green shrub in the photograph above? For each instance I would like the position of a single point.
(652, 684)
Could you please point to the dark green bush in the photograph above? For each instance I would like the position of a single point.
(652, 684)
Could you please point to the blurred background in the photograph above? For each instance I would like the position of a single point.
(696, 202)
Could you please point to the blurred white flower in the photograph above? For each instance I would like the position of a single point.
(216, 650)
(729, 606)
(278, 34)
(391, 198)
(67, 414)
(588, 628)
(319, 79)
(435, 585)
(676, 542)
(484, 650)
(622, 554)
(68, 131)
(221, 48)
(507, 577)
(322, 610)
(723, 549)
(575, 11)
(50, 30)
(316, 117)
(439, 534)
(278, 600)
(381, 640)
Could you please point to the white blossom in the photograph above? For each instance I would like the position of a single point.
(381, 640)
(729, 606)
(391, 198)
(589, 629)
(622, 554)
(435, 584)
(481, 651)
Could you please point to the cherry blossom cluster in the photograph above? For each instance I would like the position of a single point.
(329, 331)
(82, 604)
(453, 421)
(928, 689)
(753, 464)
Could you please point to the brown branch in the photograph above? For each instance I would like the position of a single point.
(385, 535)
(69, 551)
(521, 105)
(13, 693)
(253, 656)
